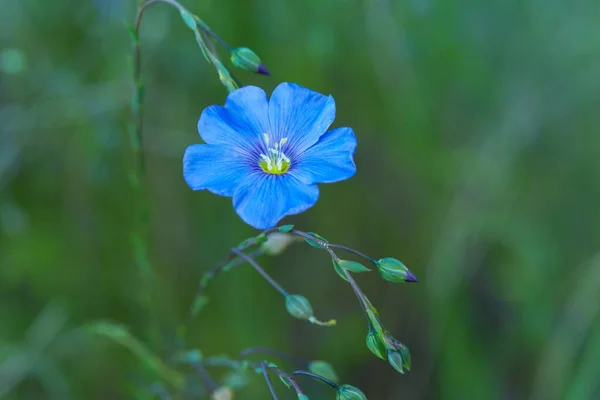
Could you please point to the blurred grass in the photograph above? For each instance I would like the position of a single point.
(478, 166)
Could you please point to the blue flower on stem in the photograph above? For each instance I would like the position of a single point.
(270, 154)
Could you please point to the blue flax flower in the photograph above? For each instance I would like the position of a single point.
(270, 154)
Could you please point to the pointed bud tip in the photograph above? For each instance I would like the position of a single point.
(410, 277)
(263, 70)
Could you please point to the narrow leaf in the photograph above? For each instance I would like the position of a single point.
(352, 266)
(320, 244)
(286, 228)
(339, 270)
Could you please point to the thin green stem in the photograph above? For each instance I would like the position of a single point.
(331, 245)
(350, 250)
(206, 29)
(317, 377)
(308, 236)
(359, 294)
(261, 271)
(231, 261)
(263, 365)
(137, 65)
(290, 379)
(362, 299)
(205, 376)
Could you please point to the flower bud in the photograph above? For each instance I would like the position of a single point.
(395, 360)
(393, 344)
(406, 359)
(302, 396)
(298, 306)
(393, 270)
(244, 58)
(324, 369)
(276, 243)
(222, 393)
(375, 344)
(348, 392)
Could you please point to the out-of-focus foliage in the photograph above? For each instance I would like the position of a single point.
(478, 165)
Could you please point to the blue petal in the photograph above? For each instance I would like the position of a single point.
(263, 199)
(300, 115)
(214, 167)
(329, 160)
(241, 122)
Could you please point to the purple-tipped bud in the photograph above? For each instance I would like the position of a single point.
(410, 277)
(244, 58)
(393, 270)
(263, 70)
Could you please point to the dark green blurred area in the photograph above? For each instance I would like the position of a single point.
(478, 166)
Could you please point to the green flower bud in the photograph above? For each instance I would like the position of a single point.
(395, 360)
(222, 393)
(302, 396)
(324, 369)
(393, 270)
(244, 58)
(375, 344)
(298, 306)
(347, 392)
(406, 359)
(276, 243)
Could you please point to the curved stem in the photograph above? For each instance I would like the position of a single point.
(290, 379)
(359, 294)
(229, 260)
(261, 271)
(309, 237)
(363, 301)
(205, 376)
(350, 250)
(317, 377)
(206, 29)
(137, 65)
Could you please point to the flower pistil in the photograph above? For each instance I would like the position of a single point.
(275, 161)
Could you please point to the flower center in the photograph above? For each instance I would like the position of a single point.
(275, 161)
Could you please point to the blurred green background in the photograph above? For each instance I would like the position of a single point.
(478, 161)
